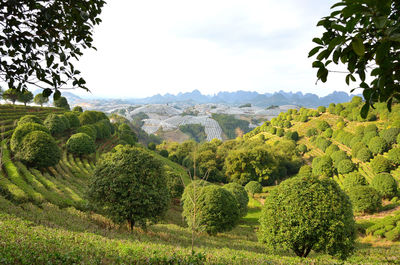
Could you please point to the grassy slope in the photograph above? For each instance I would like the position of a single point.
(60, 231)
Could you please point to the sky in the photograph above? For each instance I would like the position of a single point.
(157, 47)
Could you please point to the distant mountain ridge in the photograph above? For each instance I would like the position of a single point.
(242, 97)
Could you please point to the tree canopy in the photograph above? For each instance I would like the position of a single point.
(39, 40)
(364, 36)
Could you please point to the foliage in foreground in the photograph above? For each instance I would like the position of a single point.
(304, 214)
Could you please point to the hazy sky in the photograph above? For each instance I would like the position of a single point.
(158, 46)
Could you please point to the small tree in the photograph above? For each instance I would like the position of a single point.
(380, 164)
(54, 124)
(21, 131)
(129, 185)
(377, 145)
(11, 95)
(61, 102)
(40, 99)
(217, 210)
(322, 166)
(385, 184)
(365, 199)
(304, 214)
(352, 180)
(39, 149)
(29, 119)
(240, 195)
(323, 125)
(81, 144)
(345, 166)
(394, 156)
(253, 187)
(77, 109)
(25, 97)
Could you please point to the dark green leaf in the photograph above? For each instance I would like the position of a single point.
(358, 46)
(364, 110)
(57, 95)
(47, 92)
(314, 51)
(318, 41)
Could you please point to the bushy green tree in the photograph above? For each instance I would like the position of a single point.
(129, 184)
(380, 164)
(38, 149)
(21, 131)
(338, 156)
(253, 187)
(164, 153)
(353, 179)
(377, 145)
(73, 119)
(151, 146)
(390, 135)
(89, 130)
(305, 171)
(308, 213)
(368, 136)
(174, 182)
(394, 156)
(322, 143)
(216, 210)
(240, 195)
(365, 199)
(25, 97)
(302, 148)
(30, 118)
(11, 95)
(126, 134)
(323, 125)
(77, 109)
(385, 184)
(40, 99)
(61, 102)
(311, 132)
(322, 166)
(357, 147)
(331, 149)
(345, 166)
(65, 120)
(103, 129)
(321, 109)
(81, 144)
(364, 154)
(54, 124)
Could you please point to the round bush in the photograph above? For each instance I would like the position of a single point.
(65, 121)
(280, 132)
(21, 131)
(357, 147)
(365, 199)
(39, 149)
(77, 109)
(72, 119)
(240, 195)
(302, 148)
(81, 144)
(253, 187)
(89, 130)
(129, 184)
(151, 146)
(103, 129)
(355, 141)
(55, 124)
(345, 166)
(164, 153)
(322, 143)
(385, 184)
(304, 214)
(30, 119)
(321, 109)
(380, 164)
(216, 210)
(370, 128)
(377, 145)
(390, 135)
(353, 179)
(174, 183)
(328, 133)
(311, 132)
(305, 171)
(331, 149)
(323, 125)
(364, 154)
(394, 156)
(368, 136)
(322, 166)
(338, 156)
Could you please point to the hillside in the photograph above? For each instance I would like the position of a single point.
(44, 218)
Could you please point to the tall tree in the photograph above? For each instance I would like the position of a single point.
(61, 103)
(40, 99)
(11, 95)
(25, 97)
(39, 40)
(364, 36)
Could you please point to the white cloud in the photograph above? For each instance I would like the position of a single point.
(150, 47)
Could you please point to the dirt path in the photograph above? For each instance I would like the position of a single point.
(379, 215)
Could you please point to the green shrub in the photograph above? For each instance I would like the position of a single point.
(216, 209)
(54, 124)
(355, 141)
(174, 183)
(72, 119)
(304, 214)
(21, 131)
(345, 166)
(91, 117)
(38, 149)
(365, 199)
(65, 121)
(303, 118)
(62, 102)
(377, 145)
(322, 143)
(30, 119)
(311, 132)
(292, 135)
(125, 133)
(321, 109)
(357, 147)
(331, 149)
(253, 187)
(390, 135)
(81, 144)
(89, 130)
(380, 164)
(240, 195)
(368, 136)
(331, 108)
(364, 154)
(322, 166)
(338, 156)
(385, 184)
(164, 153)
(339, 108)
(129, 184)
(151, 146)
(328, 133)
(370, 128)
(103, 129)
(398, 139)
(280, 132)
(353, 179)
(359, 130)
(305, 171)
(272, 130)
(323, 125)
(77, 109)
(302, 148)
(394, 156)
